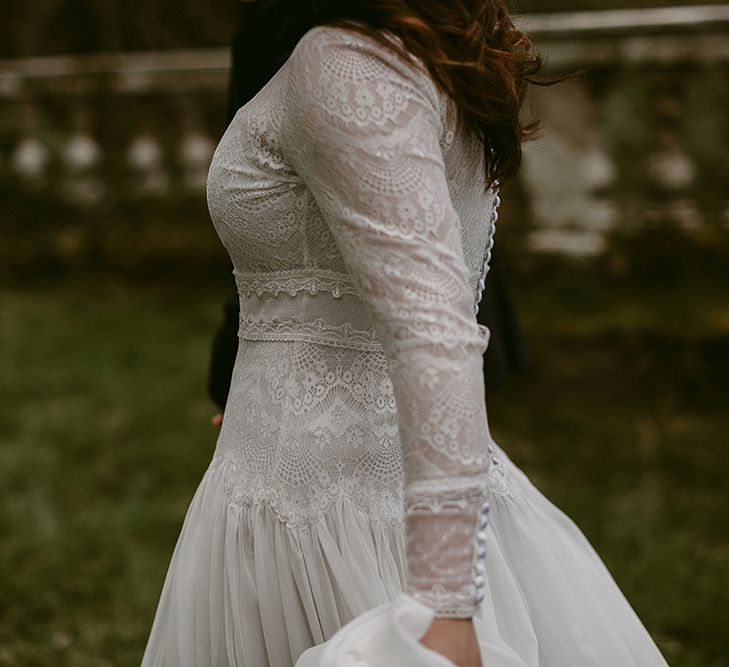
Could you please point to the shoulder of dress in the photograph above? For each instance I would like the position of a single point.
(325, 35)
(351, 55)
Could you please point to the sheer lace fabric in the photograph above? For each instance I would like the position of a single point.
(359, 245)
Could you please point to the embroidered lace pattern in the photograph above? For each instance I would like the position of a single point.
(308, 423)
(354, 212)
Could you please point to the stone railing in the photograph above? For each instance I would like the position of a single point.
(149, 118)
(639, 137)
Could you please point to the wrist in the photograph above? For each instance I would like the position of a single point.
(447, 622)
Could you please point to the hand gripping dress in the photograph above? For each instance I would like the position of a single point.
(354, 470)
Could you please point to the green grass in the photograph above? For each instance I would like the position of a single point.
(105, 432)
(104, 435)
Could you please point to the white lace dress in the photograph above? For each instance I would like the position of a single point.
(355, 466)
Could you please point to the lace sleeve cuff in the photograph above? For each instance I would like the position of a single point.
(446, 524)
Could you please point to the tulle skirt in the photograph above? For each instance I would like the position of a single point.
(245, 590)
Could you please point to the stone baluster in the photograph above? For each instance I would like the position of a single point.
(81, 157)
(566, 173)
(670, 170)
(195, 149)
(146, 161)
(31, 156)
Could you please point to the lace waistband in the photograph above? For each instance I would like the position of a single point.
(318, 306)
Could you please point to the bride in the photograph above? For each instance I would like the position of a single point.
(357, 510)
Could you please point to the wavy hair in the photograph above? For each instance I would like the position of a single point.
(471, 48)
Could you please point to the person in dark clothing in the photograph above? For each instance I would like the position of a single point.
(260, 46)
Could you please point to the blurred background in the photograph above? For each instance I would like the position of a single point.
(614, 241)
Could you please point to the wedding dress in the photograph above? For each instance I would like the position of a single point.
(355, 491)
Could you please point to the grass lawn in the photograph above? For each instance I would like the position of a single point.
(104, 435)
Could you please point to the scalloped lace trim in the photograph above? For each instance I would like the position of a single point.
(341, 335)
(247, 490)
(294, 281)
(447, 603)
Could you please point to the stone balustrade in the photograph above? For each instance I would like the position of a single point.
(639, 137)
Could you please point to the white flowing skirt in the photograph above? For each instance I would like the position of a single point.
(245, 590)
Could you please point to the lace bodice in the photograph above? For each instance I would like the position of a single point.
(354, 212)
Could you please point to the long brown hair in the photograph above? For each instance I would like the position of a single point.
(471, 48)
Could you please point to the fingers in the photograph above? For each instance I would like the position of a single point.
(217, 420)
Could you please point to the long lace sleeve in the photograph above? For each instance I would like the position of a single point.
(363, 133)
